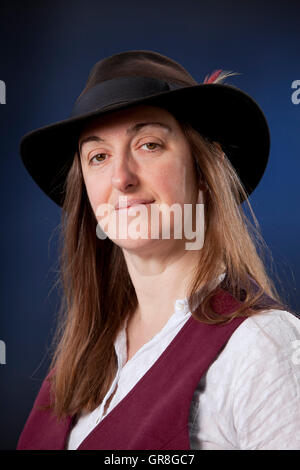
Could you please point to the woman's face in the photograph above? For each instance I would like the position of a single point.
(138, 153)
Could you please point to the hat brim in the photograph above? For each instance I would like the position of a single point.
(220, 112)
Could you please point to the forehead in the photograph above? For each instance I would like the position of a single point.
(121, 119)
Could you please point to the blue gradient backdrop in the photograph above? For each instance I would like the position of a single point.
(47, 50)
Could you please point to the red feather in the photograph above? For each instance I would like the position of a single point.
(213, 76)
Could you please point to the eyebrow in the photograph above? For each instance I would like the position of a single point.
(130, 131)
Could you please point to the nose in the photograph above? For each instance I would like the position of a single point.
(124, 174)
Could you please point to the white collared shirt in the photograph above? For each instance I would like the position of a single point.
(249, 398)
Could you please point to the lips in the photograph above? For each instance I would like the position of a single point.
(132, 202)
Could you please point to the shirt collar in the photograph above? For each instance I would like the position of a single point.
(181, 308)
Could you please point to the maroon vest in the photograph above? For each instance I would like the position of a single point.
(154, 414)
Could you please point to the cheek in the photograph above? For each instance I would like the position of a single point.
(175, 181)
(162, 179)
(96, 191)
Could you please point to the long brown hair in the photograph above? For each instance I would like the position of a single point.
(98, 293)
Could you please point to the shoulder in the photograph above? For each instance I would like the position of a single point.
(251, 391)
(274, 329)
(264, 342)
(262, 357)
(266, 380)
(268, 334)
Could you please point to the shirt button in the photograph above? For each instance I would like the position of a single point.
(97, 420)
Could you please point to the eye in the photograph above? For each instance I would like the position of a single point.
(98, 158)
(151, 144)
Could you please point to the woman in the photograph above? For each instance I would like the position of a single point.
(163, 344)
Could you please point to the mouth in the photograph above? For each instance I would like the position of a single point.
(120, 207)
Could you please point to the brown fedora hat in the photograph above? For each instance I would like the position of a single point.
(219, 112)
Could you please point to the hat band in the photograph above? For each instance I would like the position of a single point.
(120, 90)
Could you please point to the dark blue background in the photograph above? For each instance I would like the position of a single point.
(47, 50)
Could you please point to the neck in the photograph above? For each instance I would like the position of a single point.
(159, 281)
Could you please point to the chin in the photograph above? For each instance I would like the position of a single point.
(136, 245)
(137, 237)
